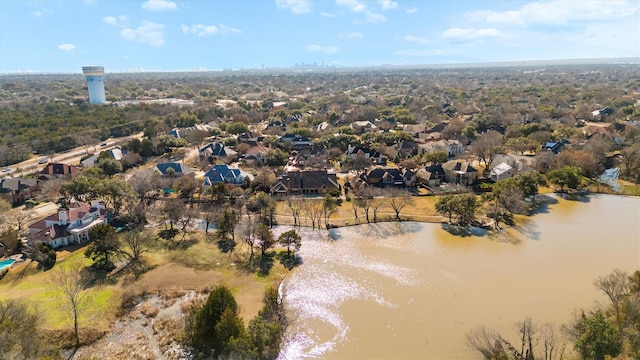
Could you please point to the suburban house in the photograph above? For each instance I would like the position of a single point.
(68, 226)
(517, 166)
(431, 136)
(252, 138)
(305, 182)
(431, 175)
(354, 152)
(17, 190)
(316, 157)
(600, 113)
(502, 171)
(297, 142)
(414, 129)
(223, 174)
(451, 147)
(175, 133)
(114, 153)
(385, 124)
(174, 170)
(256, 155)
(59, 171)
(407, 148)
(555, 146)
(383, 176)
(460, 172)
(363, 126)
(323, 126)
(217, 151)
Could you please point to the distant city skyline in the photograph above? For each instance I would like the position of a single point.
(163, 35)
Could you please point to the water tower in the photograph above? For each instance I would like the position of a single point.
(94, 83)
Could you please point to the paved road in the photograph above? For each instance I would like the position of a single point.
(69, 157)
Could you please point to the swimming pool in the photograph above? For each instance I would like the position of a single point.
(6, 263)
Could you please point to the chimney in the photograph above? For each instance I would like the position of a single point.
(62, 216)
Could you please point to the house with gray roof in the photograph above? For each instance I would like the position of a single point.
(174, 170)
(305, 182)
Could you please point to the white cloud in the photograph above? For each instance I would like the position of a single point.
(115, 21)
(411, 10)
(323, 49)
(295, 6)
(357, 6)
(559, 12)
(37, 13)
(204, 30)
(388, 4)
(200, 30)
(159, 5)
(460, 34)
(66, 47)
(326, 14)
(149, 33)
(420, 40)
(229, 30)
(355, 35)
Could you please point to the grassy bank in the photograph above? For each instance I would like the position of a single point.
(196, 266)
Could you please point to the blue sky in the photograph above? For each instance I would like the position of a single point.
(164, 35)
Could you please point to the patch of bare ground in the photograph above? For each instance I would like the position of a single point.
(152, 329)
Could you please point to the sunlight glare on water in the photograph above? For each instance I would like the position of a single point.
(413, 291)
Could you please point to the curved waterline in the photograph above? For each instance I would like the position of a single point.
(376, 291)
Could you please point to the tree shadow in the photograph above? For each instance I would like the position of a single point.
(226, 245)
(92, 277)
(527, 227)
(542, 204)
(263, 264)
(289, 261)
(168, 234)
(464, 231)
(578, 197)
(179, 245)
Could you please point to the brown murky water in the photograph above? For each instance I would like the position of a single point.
(413, 290)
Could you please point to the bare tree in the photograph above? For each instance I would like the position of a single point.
(487, 146)
(487, 342)
(492, 345)
(136, 243)
(398, 200)
(364, 200)
(71, 285)
(295, 207)
(355, 204)
(314, 210)
(329, 207)
(145, 184)
(20, 337)
(22, 218)
(616, 287)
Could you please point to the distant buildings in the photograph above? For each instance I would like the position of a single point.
(94, 74)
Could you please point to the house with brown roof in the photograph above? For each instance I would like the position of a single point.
(460, 172)
(59, 171)
(384, 176)
(17, 190)
(451, 147)
(68, 226)
(316, 157)
(305, 182)
(431, 175)
(256, 155)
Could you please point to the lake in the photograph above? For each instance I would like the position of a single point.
(413, 290)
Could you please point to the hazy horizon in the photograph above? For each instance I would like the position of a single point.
(176, 36)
